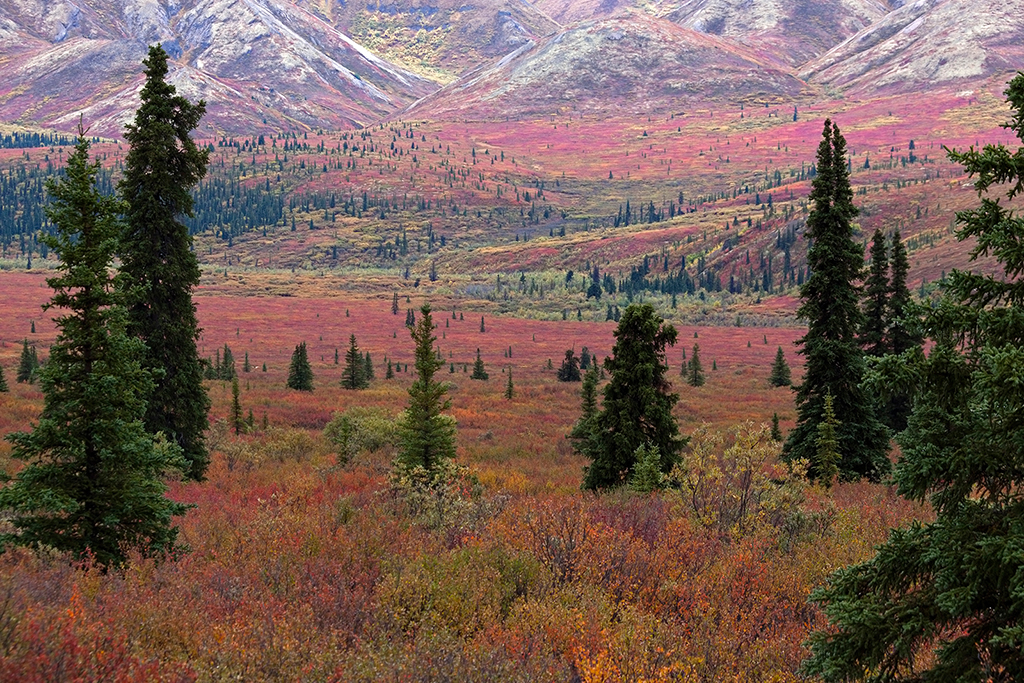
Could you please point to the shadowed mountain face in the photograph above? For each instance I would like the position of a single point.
(258, 63)
(630, 64)
(294, 64)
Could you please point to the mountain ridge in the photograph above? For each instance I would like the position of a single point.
(311, 64)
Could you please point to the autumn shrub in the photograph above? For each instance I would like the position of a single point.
(433, 656)
(447, 497)
(558, 533)
(275, 444)
(738, 487)
(359, 429)
(462, 592)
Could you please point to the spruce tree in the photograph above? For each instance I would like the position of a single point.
(3, 381)
(509, 388)
(236, 408)
(93, 485)
(162, 166)
(827, 458)
(368, 368)
(426, 434)
(903, 335)
(300, 373)
(780, 375)
(694, 369)
(227, 366)
(902, 332)
(478, 368)
(354, 375)
(647, 476)
(570, 369)
(637, 406)
(28, 364)
(941, 600)
(873, 332)
(830, 305)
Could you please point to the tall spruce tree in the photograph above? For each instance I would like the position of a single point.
(300, 372)
(354, 375)
(426, 434)
(93, 485)
(227, 371)
(902, 332)
(237, 423)
(830, 305)
(637, 406)
(873, 332)
(584, 430)
(162, 166)
(941, 601)
(3, 381)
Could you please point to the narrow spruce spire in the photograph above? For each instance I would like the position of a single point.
(160, 270)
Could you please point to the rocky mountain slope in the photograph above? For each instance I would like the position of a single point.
(437, 38)
(927, 43)
(255, 62)
(631, 64)
(791, 31)
(288, 64)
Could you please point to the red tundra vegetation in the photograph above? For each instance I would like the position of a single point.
(306, 565)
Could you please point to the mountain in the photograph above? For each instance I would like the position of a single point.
(571, 11)
(789, 31)
(294, 64)
(437, 38)
(927, 43)
(629, 64)
(260, 64)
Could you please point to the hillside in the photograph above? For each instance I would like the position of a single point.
(439, 39)
(628, 64)
(927, 43)
(262, 64)
(790, 32)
